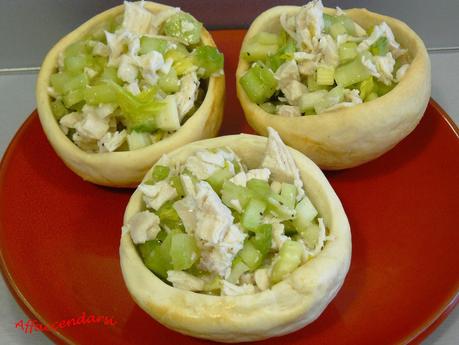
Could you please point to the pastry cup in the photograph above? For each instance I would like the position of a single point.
(125, 168)
(351, 136)
(287, 306)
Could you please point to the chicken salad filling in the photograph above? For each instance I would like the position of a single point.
(213, 226)
(133, 81)
(320, 62)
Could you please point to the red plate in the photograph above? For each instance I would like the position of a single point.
(59, 239)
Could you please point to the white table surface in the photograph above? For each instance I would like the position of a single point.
(17, 101)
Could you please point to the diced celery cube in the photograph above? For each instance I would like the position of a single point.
(168, 119)
(381, 88)
(137, 140)
(334, 96)
(337, 29)
(380, 47)
(110, 74)
(148, 44)
(289, 259)
(184, 27)
(159, 259)
(263, 238)
(177, 184)
(58, 109)
(266, 38)
(184, 251)
(253, 213)
(268, 107)
(310, 234)
(238, 269)
(366, 87)
(259, 83)
(213, 285)
(260, 187)
(231, 191)
(256, 51)
(75, 64)
(348, 23)
(219, 177)
(288, 194)
(312, 84)
(309, 100)
(251, 256)
(305, 213)
(98, 94)
(169, 82)
(184, 66)
(325, 75)
(146, 248)
(76, 48)
(63, 82)
(159, 173)
(347, 52)
(169, 217)
(351, 73)
(371, 97)
(208, 59)
(328, 22)
(73, 97)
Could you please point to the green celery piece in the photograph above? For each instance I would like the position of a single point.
(305, 213)
(337, 29)
(99, 94)
(252, 214)
(334, 96)
(76, 48)
(115, 23)
(184, 27)
(289, 259)
(148, 44)
(137, 140)
(259, 83)
(287, 47)
(263, 238)
(347, 52)
(75, 64)
(168, 216)
(351, 73)
(159, 260)
(251, 256)
(208, 59)
(139, 112)
(381, 89)
(380, 47)
(177, 54)
(325, 75)
(268, 107)
(309, 100)
(184, 66)
(73, 97)
(231, 191)
(184, 251)
(58, 109)
(169, 82)
(177, 184)
(213, 285)
(238, 269)
(162, 234)
(159, 173)
(310, 234)
(146, 248)
(260, 46)
(366, 87)
(371, 97)
(219, 177)
(264, 37)
(110, 74)
(64, 82)
(288, 194)
(328, 22)
(289, 227)
(312, 84)
(348, 23)
(275, 202)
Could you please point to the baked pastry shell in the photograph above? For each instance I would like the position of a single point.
(351, 136)
(126, 168)
(287, 306)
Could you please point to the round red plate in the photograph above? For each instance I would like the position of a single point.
(59, 239)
